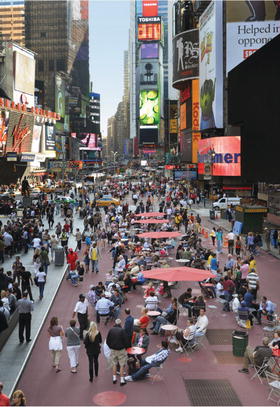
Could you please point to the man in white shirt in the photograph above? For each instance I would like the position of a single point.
(231, 237)
(152, 302)
(120, 266)
(103, 307)
(201, 324)
(36, 242)
(81, 309)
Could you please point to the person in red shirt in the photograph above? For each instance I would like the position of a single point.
(229, 288)
(144, 319)
(66, 227)
(4, 400)
(72, 257)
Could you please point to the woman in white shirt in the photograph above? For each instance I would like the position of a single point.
(41, 278)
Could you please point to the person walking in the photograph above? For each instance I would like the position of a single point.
(92, 344)
(78, 237)
(41, 278)
(219, 238)
(117, 340)
(73, 345)
(81, 309)
(26, 282)
(94, 257)
(213, 235)
(25, 308)
(55, 343)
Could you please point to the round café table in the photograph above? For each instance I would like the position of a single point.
(153, 314)
(169, 330)
(135, 350)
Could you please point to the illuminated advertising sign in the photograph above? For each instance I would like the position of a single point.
(250, 25)
(149, 50)
(50, 138)
(149, 8)
(149, 108)
(148, 137)
(185, 174)
(20, 132)
(88, 139)
(186, 57)
(173, 115)
(36, 139)
(195, 119)
(4, 122)
(211, 66)
(183, 116)
(149, 28)
(227, 157)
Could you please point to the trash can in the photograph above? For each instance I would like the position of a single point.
(59, 255)
(239, 342)
(212, 214)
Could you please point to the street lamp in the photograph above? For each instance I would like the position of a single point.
(114, 155)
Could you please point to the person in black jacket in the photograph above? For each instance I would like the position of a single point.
(92, 344)
(118, 341)
(128, 324)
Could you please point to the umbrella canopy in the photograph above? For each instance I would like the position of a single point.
(152, 221)
(178, 274)
(160, 235)
(151, 214)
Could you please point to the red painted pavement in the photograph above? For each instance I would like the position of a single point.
(43, 386)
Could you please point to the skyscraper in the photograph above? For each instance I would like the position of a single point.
(12, 21)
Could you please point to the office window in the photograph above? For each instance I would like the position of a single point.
(40, 65)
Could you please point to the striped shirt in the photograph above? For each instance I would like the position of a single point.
(252, 279)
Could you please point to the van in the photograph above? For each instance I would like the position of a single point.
(224, 202)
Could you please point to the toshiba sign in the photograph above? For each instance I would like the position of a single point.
(227, 158)
(149, 8)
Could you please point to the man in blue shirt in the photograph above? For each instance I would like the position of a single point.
(214, 263)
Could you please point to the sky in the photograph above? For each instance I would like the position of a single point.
(108, 36)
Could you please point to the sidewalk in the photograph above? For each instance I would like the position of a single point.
(224, 224)
(14, 356)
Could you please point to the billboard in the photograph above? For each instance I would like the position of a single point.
(60, 101)
(149, 50)
(189, 175)
(250, 25)
(24, 72)
(183, 116)
(20, 132)
(149, 105)
(148, 136)
(227, 157)
(211, 66)
(149, 72)
(4, 122)
(36, 139)
(149, 8)
(149, 28)
(185, 57)
(49, 138)
(173, 117)
(89, 141)
(195, 119)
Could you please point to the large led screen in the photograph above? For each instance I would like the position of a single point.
(149, 107)
(149, 50)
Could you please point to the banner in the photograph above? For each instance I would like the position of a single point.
(250, 25)
(149, 72)
(185, 57)
(195, 119)
(149, 28)
(211, 66)
(227, 158)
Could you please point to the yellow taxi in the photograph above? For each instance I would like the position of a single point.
(107, 200)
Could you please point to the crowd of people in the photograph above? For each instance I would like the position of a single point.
(114, 230)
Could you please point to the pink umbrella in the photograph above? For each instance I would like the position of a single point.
(160, 235)
(151, 214)
(152, 221)
(178, 274)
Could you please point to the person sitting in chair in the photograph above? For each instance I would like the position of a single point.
(256, 356)
(186, 336)
(154, 360)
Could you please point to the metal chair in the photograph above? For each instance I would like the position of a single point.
(199, 342)
(157, 375)
(260, 370)
(274, 384)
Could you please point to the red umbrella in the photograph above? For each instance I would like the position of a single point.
(178, 274)
(151, 214)
(160, 235)
(152, 221)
